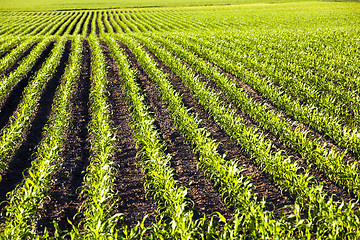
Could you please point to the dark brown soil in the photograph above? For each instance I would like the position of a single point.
(102, 22)
(96, 24)
(108, 19)
(12, 100)
(206, 199)
(13, 175)
(263, 186)
(89, 23)
(129, 180)
(83, 23)
(64, 194)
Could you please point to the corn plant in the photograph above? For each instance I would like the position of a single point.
(171, 198)
(7, 82)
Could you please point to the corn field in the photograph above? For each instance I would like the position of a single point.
(217, 122)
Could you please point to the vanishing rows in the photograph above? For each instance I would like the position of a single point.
(89, 22)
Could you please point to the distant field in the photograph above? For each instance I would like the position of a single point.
(33, 5)
(236, 121)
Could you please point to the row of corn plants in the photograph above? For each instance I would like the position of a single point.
(23, 208)
(309, 195)
(10, 58)
(52, 29)
(9, 81)
(98, 189)
(330, 125)
(79, 16)
(53, 23)
(31, 27)
(8, 43)
(62, 30)
(35, 29)
(251, 217)
(171, 198)
(329, 161)
(86, 25)
(11, 135)
(119, 25)
(15, 27)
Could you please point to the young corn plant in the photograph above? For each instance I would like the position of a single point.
(99, 221)
(308, 113)
(7, 82)
(329, 161)
(9, 59)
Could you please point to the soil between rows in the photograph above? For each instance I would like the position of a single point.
(89, 23)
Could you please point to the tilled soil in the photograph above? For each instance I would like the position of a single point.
(64, 199)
